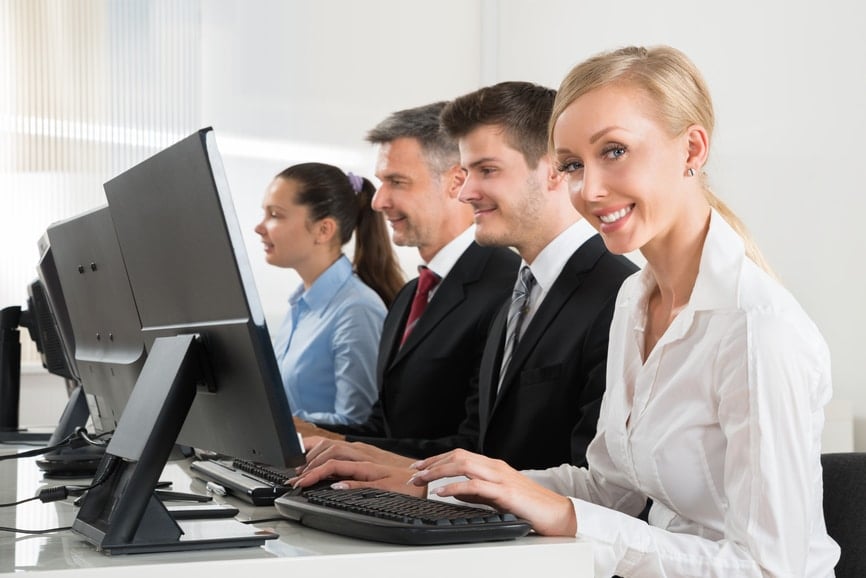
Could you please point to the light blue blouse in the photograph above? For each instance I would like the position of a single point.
(327, 347)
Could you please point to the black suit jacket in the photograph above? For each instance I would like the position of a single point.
(426, 385)
(546, 411)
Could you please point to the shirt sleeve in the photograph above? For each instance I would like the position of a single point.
(355, 347)
(771, 390)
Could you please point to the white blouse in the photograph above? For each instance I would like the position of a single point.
(721, 427)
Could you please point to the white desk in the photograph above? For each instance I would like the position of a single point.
(299, 549)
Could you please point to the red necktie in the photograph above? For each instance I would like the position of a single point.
(426, 281)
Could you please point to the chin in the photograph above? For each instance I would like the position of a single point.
(618, 246)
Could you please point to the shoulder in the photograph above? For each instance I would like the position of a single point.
(356, 295)
(489, 258)
(599, 267)
(776, 320)
(485, 266)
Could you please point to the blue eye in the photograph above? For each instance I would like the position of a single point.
(569, 167)
(615, 151)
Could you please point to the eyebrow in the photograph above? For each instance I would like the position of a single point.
(482, 161)
(601, 133)
(592, 139)
(392, 176)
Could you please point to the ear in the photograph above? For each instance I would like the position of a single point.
(698, 147)
(553, 178)
(325, 230)
(455, 178)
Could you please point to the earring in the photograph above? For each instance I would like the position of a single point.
(690, 172)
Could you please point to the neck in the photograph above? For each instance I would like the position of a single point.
(548, 228)
(315, 266)
(675, 259)
(450, 230)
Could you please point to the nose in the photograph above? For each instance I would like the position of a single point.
(260, 228)
(381, 199)
(590, 187)
(468, 192)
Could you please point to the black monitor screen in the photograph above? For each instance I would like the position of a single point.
(58, 348)
(210, 379)
(189, 273)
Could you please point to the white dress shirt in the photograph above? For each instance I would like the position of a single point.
(443, 261)
(550, 262)
(722, 431)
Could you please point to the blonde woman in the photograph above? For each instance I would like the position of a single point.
(716, 378)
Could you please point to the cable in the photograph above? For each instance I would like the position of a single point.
(46, 531)
(263, 520)
(78, 438)
(55, 493)
(24, 501)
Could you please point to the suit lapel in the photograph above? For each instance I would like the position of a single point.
(569, 281)
(392, 330)
(448, 295)
(491, 361)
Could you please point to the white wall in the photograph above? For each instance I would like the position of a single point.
(305, 80)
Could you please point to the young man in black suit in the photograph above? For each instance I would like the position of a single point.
(427, 369)
(539, 398)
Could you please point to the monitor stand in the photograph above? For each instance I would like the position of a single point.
(10, 381)
(122, 515)
(69, 461)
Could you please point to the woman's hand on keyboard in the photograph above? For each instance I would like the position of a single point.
(348, 474)
(495, 483)
(320, 450)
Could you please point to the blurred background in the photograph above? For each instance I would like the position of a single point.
(89, 88)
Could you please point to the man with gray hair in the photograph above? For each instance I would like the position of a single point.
(434, 333)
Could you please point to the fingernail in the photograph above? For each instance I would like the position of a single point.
(339, 486)
(415, 476)
(416, 465)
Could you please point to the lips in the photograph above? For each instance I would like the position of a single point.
(481, 211)
(614, 216)
(395, 220)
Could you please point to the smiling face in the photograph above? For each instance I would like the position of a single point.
(626, 174)
(285, 229)
(507, 196)
(411, 197)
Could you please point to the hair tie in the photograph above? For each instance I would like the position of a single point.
(356, 182)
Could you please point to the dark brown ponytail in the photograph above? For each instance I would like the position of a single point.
(375, 261)
(329, 192)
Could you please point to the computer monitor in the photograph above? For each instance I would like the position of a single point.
(106, 332)
(52, 296)
(44, 326)
(85, 279)
(210, 379)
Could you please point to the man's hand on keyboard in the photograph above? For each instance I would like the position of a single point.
(360, 475)
(320, 450)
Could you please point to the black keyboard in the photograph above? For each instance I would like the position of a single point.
(396, 518)
(255, 483)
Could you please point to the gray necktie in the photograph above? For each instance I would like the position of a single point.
(516, 314)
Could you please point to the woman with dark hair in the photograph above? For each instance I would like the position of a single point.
(328, 343)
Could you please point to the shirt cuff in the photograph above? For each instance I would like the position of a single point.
(617, 541)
